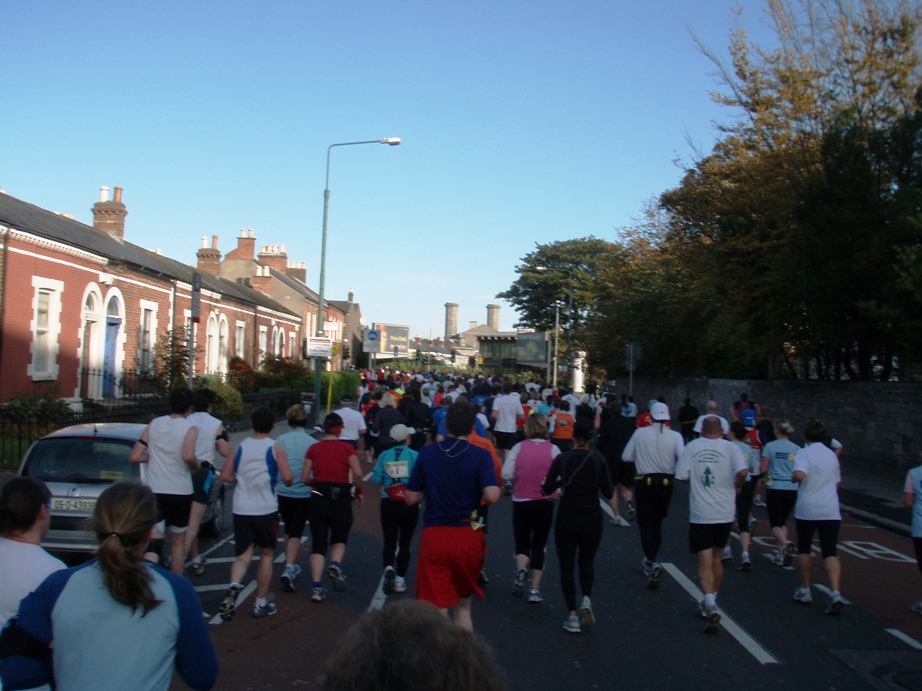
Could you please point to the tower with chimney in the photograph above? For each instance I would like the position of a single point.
(451, 319)
(493, 317)
(109, 216)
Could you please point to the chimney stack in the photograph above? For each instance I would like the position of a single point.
(451, 319)
(262, 281)
(246, 246)
(493, 317)
(274, 256)
(209, 258)
(473, 324)
(109, 216)
(297, 270)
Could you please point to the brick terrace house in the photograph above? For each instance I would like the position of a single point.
(271, 273)
(75, 299)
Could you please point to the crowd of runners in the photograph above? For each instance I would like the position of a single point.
(451, 446)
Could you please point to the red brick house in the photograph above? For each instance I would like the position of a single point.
(76, 299)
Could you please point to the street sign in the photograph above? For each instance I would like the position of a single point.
(319, 347)
(196, 297)
(372, 342)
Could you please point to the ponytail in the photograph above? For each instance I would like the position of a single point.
(125, 513)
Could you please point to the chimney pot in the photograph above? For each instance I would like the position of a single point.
(243, 232)
(214, 242)
(118, 193)
(251, 233)
(204, 241)
(103, 194)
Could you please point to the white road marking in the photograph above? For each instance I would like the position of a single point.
(217, 545)
(908, 640)
(281, 558)
(211, 588)
(771, 558)
(243, 595)
(823, 589)
(606, 507)
(730, 626)
(368, 476)
(377, 602)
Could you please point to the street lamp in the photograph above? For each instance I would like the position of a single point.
(318, 362)
(543, 269)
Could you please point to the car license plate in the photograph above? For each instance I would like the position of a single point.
(82, 505)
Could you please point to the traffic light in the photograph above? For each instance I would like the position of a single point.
(347, 351)
(418, 356)
(453, 354)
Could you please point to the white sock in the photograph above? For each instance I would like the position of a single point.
(745, 555)
(197, 560)
(260, 602)
(710, 599)
(236, 585)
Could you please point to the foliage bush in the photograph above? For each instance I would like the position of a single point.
(229, 405)
(42, 406)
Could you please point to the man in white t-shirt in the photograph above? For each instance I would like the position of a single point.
(353, 422)
(167, 445)
(711, 409)
(506, 409)
(716, 470)
(24, 521)
(816, 468)
(654, 450)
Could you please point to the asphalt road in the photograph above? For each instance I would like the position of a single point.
(643, 639)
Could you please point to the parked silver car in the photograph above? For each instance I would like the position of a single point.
(78, 463)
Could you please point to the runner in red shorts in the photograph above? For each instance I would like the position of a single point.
(453, 476)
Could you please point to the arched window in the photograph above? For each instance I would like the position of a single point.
(211, 345)
(222, 344)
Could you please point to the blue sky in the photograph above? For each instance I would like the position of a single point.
(521, 121)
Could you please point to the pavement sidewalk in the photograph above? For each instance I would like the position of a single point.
(876, 499)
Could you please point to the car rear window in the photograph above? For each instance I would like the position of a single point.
(81, 460)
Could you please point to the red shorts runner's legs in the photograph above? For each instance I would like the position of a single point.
(450, 560)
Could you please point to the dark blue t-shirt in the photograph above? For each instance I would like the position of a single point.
(440, 423)
(453, 474)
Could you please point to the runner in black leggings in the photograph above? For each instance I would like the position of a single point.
(578, 531)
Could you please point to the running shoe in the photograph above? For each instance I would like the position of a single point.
(507, 489)
(778, 560)
(727, 554)
(482, 579)
(534, 596)
(835, 603)
(655, 572)
(803, 595)
(631, 512)
(585, 610)
(291, 572)
(753, 522)
(757, 501)
(197, 568)
(746, 564)
(336, 575)
(619, 522)
(400, 585)
(388, 585)
(713, 617)
(318, 594)
(787, 553)
(229, 605)
(572, 624)
(266, 610)
(703, 609)
(518, 585)
(916, 607)
(647, 567)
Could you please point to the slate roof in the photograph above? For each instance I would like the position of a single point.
(20, 215)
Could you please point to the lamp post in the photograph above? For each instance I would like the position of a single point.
(569, 272)
(318, 362)
(556, 342)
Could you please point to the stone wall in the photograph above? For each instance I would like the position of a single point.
(879, 423)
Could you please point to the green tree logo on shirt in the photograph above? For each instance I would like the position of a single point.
(707, 478)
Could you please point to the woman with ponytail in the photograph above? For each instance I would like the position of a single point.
(119, 622)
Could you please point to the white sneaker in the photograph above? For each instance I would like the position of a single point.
(727, 554)
(400, 585)
(619, 522)
(647, 567)
(588, 618)
(389, 576)
(836, 602)
(572, 624)
(534, 596)
(803, 595)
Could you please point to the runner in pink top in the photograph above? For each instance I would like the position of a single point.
(532, 513)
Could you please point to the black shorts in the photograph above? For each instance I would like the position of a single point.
(917, 543)
(704, 536)
(263, 531)
(294, 512)
(174, 510)
(354, 443)
(780, 503)
(622, 472)
(744, 503)
(201, 485)
(330, 520)
(828, 532)
(504, 440)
